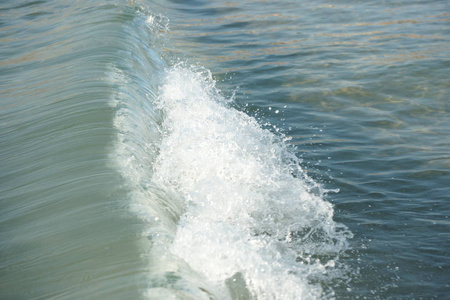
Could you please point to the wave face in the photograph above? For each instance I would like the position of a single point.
(229, 212)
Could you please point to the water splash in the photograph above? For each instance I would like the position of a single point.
(228, 211)
(250, 214)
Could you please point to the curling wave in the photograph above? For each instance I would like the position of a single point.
(229, 212)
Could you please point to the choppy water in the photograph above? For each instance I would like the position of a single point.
(224, 150)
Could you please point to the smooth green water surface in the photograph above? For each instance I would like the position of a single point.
(65, 233)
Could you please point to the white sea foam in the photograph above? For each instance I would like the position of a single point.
(228, 213)
(251, 222)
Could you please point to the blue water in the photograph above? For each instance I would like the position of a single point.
(224, 150)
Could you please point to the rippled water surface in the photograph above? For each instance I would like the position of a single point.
(224, 149)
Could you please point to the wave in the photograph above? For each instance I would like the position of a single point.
(228, 211)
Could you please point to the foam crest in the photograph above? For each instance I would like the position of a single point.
(251, 222)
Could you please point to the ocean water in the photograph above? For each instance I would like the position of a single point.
(260, 149)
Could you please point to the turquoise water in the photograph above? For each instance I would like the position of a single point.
(224, 150)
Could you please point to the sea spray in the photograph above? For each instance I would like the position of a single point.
(249, 212)
(228, 212)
